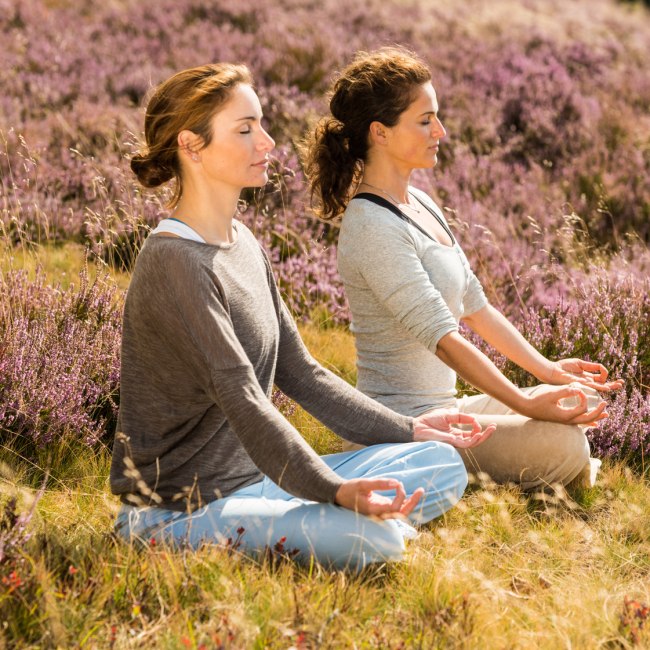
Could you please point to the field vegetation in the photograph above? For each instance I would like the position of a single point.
(545, 177)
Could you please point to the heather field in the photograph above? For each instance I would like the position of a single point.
(545, 176)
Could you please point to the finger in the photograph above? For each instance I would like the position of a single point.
(591, 416)
(478, 438)
(457, 431)
(400, 496)
(487, 432)
(463, 418)
(460, 418)
(597, 369)
(579, 408)
(381, 484)
(409, 505)
(607, 387)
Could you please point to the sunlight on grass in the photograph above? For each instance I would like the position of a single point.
(61, 263)
(565, 570)
(501, 566)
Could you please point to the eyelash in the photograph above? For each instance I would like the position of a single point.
(245, 132)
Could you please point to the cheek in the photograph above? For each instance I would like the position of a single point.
(415, 145)
(231, 159)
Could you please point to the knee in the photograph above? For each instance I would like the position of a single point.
(355, 542)
(379, 542)
(566, 454)
(446, 480)
(577, 453)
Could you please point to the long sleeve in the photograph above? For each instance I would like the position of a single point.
(330, 399)
(273, 444)
(200, 348)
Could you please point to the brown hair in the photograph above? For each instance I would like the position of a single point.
(376, 86)
(187, 100)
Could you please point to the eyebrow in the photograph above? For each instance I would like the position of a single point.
(249, 117)
(428, 113)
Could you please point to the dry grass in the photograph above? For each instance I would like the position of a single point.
(503, 570)
(500, 571)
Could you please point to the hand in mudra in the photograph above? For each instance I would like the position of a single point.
(587, 373)
(565, 404)
(437, 425)
(359, 494)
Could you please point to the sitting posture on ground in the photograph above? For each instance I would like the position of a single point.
(409, 284)
(201, 453)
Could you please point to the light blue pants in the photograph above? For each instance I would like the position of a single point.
(334, 536)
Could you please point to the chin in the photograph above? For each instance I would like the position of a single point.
(260, 182)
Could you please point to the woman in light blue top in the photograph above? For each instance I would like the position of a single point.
(409, 284)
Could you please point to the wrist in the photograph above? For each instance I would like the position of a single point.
(415, 429)
(338, 496)
(520, 403)
(546, 372)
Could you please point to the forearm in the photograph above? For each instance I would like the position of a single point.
(330, 399)
(273, 444)
(341, 407)
(477, 369)
(494, 328)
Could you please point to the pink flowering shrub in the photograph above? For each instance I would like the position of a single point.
(59, 362)
(544, 173)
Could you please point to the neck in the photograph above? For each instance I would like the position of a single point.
(389, 178)
(209, 210)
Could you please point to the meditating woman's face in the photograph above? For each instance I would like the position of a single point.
(413, 142)
(238, 152)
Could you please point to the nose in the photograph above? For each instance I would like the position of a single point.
(437, 129)
(265, 142)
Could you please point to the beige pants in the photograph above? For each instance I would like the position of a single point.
(531, 453)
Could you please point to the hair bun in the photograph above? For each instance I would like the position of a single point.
(334, 126)
(149, 171)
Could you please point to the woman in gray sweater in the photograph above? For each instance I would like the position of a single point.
(201, 454)
(409, 284)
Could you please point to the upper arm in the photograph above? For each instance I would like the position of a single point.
(385, 257)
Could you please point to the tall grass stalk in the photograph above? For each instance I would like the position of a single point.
(501, 571)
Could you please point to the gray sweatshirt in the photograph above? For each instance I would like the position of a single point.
(406, 291)
(206, 335)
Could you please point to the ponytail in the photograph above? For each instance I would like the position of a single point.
(332, 166)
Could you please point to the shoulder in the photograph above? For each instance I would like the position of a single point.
(168, 269)
(167, 256)
(250, 247)
(362, 216)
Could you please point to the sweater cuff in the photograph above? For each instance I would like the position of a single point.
(330, 495)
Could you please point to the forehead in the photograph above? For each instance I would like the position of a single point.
(243, 102)
(425, 100)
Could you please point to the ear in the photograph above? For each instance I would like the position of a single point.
(378, 133)
(189, 145)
